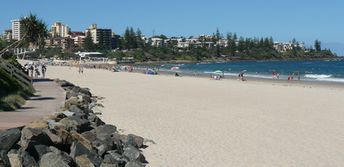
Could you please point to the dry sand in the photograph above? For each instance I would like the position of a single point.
(198, 122)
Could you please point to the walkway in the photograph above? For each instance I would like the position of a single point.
(49, 98)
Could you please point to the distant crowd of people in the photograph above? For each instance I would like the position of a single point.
(35, 70)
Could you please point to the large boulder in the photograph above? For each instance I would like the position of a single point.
(95, 121)
(4, 161)
(65, 135)
(77, 149)
(82, 140)
(132, 153)
(134, 164)
(15, 158)
(53, 136)
(9, 138)
(36, 150)
(56, 158)
(52, 124)
(132, 140)
(105, 131)
(113, 156)
(103, 146)
(28, 160)
(83, 161)
(90, 136)
(76, 123)
(38, 124)
(37, 135)
(108, 165)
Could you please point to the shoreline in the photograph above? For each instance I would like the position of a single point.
(252, 79)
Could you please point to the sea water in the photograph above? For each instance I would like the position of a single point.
(331, 71)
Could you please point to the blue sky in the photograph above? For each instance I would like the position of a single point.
(305, 20)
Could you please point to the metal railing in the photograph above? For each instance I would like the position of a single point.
(16, 72)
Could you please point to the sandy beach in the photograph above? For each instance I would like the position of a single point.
(198, 122)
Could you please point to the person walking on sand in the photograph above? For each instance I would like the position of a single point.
(81, 69)
(44, 69)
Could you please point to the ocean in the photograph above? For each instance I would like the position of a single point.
(328, 71)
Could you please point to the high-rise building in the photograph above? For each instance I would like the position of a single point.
(16, 29)
(59, 30)
(102, 37)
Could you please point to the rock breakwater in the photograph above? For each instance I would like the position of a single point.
(75, 136)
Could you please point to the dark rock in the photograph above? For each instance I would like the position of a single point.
(134, 164)
(78, 149)
(41, 150)
(36, 150)
(56, 158)
(113, 156)
(38, 135)
(85, 91)
(108, 165)
(95, 121)
(132, 153)
(103, 146)
(64, 83)
(132, 140)
(105, 131)
(28, 160)
(9, 138)
(86, 99)
(76, 123)
(4, 161)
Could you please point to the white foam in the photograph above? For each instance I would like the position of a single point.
(332, 79)
(317, 76)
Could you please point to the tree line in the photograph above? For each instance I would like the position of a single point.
(132, 44)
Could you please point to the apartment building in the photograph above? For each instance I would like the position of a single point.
(16, 29)
(101, 37)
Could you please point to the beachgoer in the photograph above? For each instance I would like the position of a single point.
(44, 69)
(177, 75)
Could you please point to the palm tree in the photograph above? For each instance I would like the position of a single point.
(34, 30)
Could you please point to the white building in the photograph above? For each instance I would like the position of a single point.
(59, 30)
(16, 29)
(157, 42)
(283, 47)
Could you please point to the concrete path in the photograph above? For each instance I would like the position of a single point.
(49, 98)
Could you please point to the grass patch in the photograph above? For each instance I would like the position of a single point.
(11, 102)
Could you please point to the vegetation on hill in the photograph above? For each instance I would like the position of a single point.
(134, 44)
